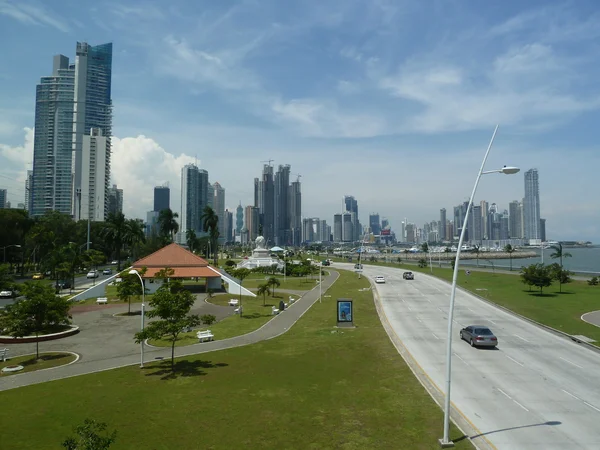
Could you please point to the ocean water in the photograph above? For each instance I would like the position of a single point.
(584, 260)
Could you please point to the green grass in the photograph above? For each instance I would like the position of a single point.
(296, 283)
(314, 387)
(30, 364)
(255, 316)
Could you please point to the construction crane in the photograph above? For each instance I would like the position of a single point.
(269, 161)
(298, 175)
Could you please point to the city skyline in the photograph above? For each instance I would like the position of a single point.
(407, 120)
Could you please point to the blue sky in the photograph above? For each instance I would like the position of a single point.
(393, 102)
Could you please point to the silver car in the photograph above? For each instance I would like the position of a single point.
(479, 336)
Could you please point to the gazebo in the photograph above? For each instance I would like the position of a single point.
(184, 264)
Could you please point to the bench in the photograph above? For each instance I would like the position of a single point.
(204, 335)
(233, 302)
(102, 300)
(3, 353)
(238, 310)
(275, 311)
(292, 300)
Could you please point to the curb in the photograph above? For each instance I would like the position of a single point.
(587, 321)
(44, 337)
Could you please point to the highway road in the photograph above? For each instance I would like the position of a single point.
(536, 391)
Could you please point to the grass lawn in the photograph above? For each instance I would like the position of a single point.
(30, 364)
(314, 387)
(296, 283)
(255, 316)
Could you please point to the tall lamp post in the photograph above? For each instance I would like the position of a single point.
(135, 272)
(320, 281)
(445, 442)
(8, 246)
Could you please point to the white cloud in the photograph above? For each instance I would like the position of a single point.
(138, 164)
(20, 156)
(33, 14)
(347, 87)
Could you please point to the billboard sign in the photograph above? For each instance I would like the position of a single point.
(344, 310)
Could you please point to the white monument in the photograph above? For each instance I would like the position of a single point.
(261, 256)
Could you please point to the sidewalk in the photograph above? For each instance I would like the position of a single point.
(275, 327)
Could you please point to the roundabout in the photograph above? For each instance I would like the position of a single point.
(70, 331)
(29, 363)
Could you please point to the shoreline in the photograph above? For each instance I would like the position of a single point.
(452, 255)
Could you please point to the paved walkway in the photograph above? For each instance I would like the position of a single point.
(275, 327)
(592, 317)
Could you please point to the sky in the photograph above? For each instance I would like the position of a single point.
(391, 101)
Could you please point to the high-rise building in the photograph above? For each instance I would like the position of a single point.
(308, 231)
(531, 205)
(337, 227)
(194, 198)
(514, 220)
(115, 200)
(484, 217)
(28, 185)
(239, 219)
(476, 226)
(442, 225)
(351, 205)
(252, 221)
(3, 198)
(348, 220)
(266, 204)
(70, 104)
(410, 233)
(282, 209)
(162, 198)
(219, 207)
(375, 224)
(543, 230)
(228, 226)
(295, 206)
(384, 223)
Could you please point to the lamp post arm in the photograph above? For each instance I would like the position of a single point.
(453, 295)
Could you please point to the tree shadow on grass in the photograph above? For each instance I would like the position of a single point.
(182, 368)
(255, 315)
(54, 357)
(564, 293)
(543, 295)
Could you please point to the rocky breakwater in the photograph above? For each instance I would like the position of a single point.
(452, 255)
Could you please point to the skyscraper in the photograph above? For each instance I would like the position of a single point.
(442, 226)
(3, 198)
(266, 204)
(337, 227)
(162, 198)
(375, 224)
(531, 205)
(115, 200)
(93, 194)
(252, 222)
(514, 220)
(228, 226)
(295, 208)
(282, 210)
(351, 206)
(219, 207)
(194, 198)
(484, 218)
(239, 219)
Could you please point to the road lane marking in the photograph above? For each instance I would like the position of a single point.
(409, 308)
(570, 362)
(455, 354)
(441, 309)
(470, 310)
(501, 391)
(568, 393)
(435, 336)
(591, 406)
(509, 397)
(490, 320)
(521, 338)
(514, 360)
(520, 405)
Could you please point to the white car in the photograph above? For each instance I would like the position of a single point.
(93, 274)
(379, 279)
(7, 294)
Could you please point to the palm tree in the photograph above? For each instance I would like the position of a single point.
(135, 235)
(477, 251)
(264, 290)
(167, 225)
(558, 253)
(510, 250)
(190, 236)
(210, 223)
(273, 281)
(116, 232)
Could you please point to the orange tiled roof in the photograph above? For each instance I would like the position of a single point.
(184, 262)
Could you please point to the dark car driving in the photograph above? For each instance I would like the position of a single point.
(408, 276)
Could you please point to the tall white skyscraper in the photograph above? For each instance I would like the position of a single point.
(95, 177)
(219, 207)
(531, 205)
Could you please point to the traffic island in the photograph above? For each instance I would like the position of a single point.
(29, 363)
(69, 330)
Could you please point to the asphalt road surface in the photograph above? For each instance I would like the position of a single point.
(536, 391)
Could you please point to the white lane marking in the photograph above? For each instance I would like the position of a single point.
(435, 336)
(521, 338)
(568, 393)
(490, 320)
(509, 397)
(409, 308)
(429, 300)
(441, 309)
(419, 319)
(470, 310)
(514, 360)
(570, 362)
(591, 406)
(462, 359)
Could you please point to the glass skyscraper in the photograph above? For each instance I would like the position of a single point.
(531, 205)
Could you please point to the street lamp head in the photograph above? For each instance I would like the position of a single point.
(133, 272)
(509, 170)
(18, 246)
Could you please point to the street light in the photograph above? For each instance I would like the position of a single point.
(135, 272)
(320, 281)
(445, 442)
(8, 246)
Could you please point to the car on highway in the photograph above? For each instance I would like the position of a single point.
(325, 262)
(64, 284)
(408, 276)
(37, 276)
(92, 274)
(107, 272)
(379, 279)
(358, 266)
(7, 293)
(479, 336)
(114, 263)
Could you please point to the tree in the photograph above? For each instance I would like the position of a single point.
(559, 253)
(264, 290)
(273, 282)
(128, 287)
(593, 281)
(561, 275)
(190, 239)
(171, 304)
(241, 274)
(210, 224)
(477, 251)
(510, 250)
(167, 225)
(422, 262)
(538, 275)
(40, 309)
(425, 247)
(89, 437)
